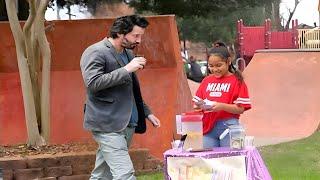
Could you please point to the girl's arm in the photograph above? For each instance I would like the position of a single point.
(230, 108)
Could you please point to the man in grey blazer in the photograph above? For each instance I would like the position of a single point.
(114, 108)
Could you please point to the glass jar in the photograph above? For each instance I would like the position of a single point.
(237, 136)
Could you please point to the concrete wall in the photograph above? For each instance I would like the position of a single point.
(164, 85)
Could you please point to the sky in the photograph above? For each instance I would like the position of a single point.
(306, 12)
(76, 11)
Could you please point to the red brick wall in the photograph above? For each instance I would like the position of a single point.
(68, 166)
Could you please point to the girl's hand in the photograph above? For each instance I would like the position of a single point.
(209, 106)
(196, 108)
(215, 107)
(198, 102)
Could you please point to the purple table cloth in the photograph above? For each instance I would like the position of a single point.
(256, 169)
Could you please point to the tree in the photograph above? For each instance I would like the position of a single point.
(206, 21)
(276, 15)
(93, 5)
(33, 51)
(272, 11)
(223, 27)
(296, 3)
(187, 8)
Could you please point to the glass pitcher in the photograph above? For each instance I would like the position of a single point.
(192, 127)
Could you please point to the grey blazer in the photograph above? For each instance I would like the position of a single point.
(110, 90)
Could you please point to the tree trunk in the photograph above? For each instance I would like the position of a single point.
(291, 14)
(46, 64)
(268, 10)
(31, 47)
(58, 12)
(276, 15)
(33, 61)
(34, 138)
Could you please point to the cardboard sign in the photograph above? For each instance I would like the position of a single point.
(195, 168)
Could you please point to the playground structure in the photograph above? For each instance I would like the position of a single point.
(309, 38)
(252, 38)
(281, 77)
(163, 82)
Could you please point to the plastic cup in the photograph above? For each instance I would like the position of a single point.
(248, 141)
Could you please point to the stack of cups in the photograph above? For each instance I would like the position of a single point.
(248, 141)
(175, 144)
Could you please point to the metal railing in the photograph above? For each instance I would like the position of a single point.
(309, 38)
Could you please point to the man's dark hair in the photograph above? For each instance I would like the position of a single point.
(124, 25)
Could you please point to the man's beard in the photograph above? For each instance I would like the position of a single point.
(127, 44)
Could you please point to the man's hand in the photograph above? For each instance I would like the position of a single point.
(135, 64)
(154, 120)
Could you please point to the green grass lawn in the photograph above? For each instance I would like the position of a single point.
(296, 160)
(155, 176)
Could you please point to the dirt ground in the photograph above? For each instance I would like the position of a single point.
(23, 150)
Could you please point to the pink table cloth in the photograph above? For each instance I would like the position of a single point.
(256, 169)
